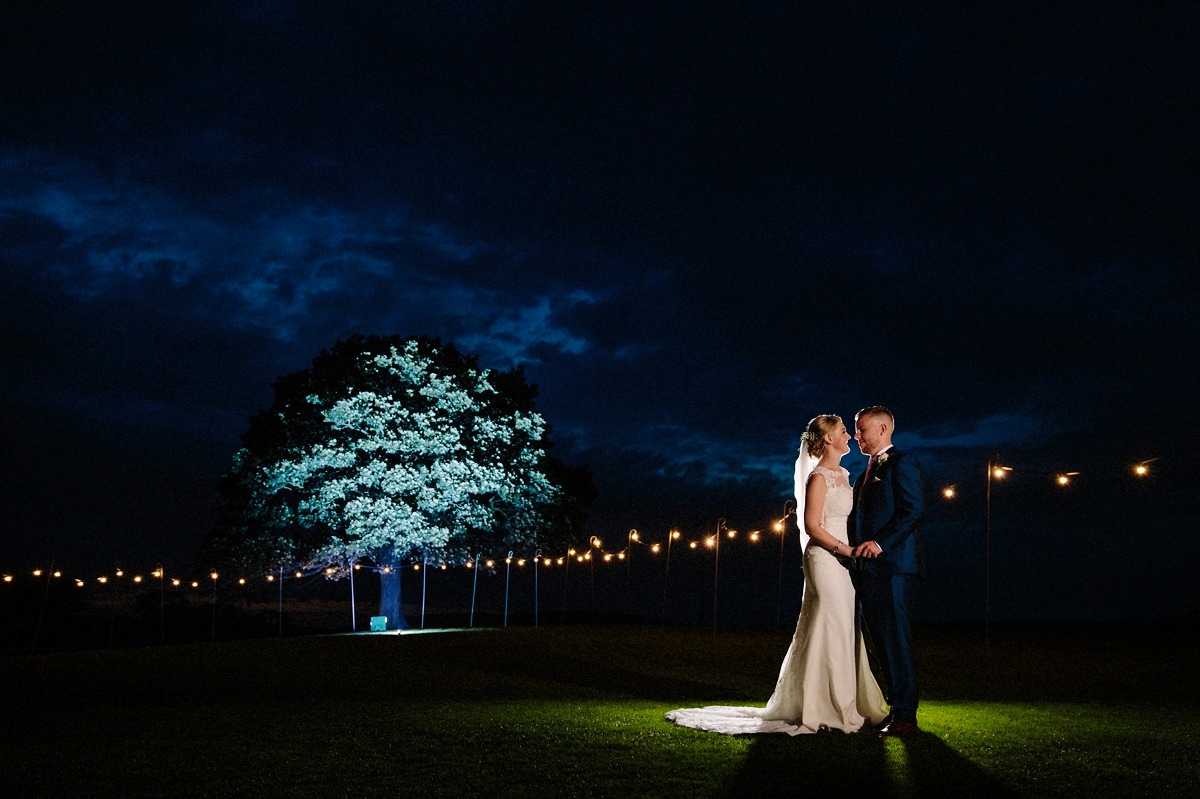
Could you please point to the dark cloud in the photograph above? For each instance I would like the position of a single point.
(696, 224)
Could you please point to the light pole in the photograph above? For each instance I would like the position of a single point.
(353, 607)
(593, 543)
(997, 472)
(716, 566)
(280, 614)
(424, 579)
(536, 557)
(161, 574)
(214, 619)
(474, 585)
(671, 536)
(507, 571)
(566, 579)
(630, 537)
(781, 527)
(118, 573)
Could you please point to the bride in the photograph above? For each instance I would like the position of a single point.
(825, 681)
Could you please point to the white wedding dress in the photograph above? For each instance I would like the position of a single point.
(825, 681)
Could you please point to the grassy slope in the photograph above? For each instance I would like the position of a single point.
(577, 711)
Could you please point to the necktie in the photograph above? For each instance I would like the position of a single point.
(870, 467)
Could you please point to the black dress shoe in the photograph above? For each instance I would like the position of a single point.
(898, 729)
(886, 721)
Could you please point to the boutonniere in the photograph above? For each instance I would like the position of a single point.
(882, 459)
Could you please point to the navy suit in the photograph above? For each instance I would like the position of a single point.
(888, 506)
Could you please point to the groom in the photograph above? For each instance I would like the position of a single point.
(889, 500)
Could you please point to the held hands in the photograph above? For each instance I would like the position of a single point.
(867, 549)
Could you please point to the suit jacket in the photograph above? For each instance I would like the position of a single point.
(888, 509)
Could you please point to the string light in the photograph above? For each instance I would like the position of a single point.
(1140, 469)
(1064, 479)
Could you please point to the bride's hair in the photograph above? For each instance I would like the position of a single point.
(818, 428)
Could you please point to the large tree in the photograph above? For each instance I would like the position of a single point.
(391, 450)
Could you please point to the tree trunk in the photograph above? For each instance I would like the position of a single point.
(389, 599)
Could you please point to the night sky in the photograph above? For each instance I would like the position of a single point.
(696, 225)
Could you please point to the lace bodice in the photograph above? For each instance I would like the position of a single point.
(834, 477)
(839, 499)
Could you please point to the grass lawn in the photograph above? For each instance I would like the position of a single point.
(577, 711)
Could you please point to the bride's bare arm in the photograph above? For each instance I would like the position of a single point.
(814, 507)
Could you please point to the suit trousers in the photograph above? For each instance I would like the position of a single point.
(887, 602)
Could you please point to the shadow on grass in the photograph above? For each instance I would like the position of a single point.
(845, 766)
(937, 770)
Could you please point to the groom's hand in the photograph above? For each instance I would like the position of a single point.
(867, 549)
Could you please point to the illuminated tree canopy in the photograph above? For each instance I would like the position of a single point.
(390, 450)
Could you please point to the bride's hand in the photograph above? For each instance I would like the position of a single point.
(867, 549)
